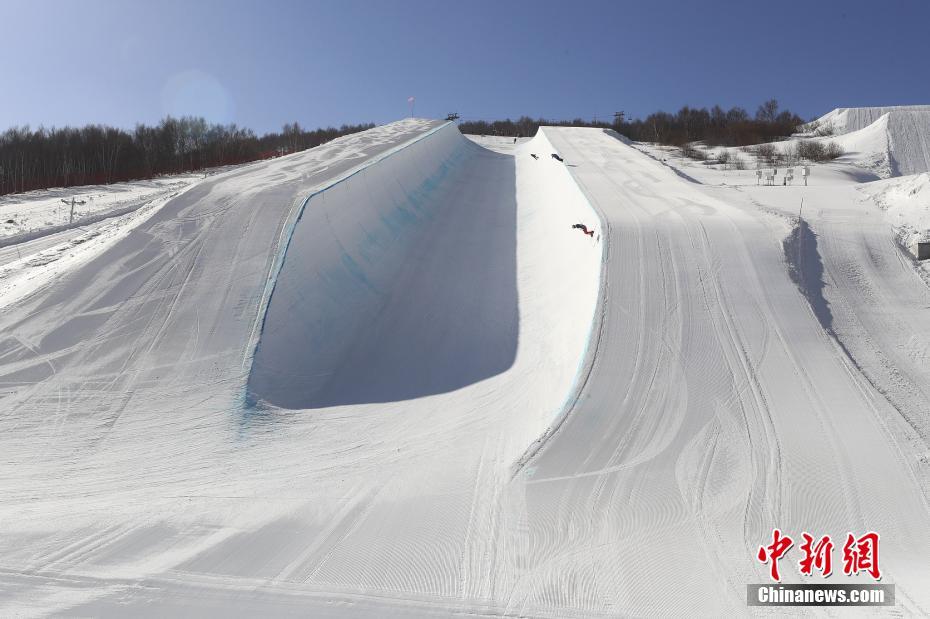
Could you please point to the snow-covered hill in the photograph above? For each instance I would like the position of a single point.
(848, 119)
(895, 141)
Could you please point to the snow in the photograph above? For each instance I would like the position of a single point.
(886, 142)
(417, 326)
(385, 377)
(37, 212)
(846, 120)
(760, 419)
(895, 141)
(906, 201)
(141, 362)
(497, 143)
(38, 262)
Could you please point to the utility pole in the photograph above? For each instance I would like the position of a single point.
(618, 118)
(72, 203)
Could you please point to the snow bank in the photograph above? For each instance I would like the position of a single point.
(906, 201)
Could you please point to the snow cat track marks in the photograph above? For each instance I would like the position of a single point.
(853, 502)
(852, 499)
(898, 388)
(311, 560)
(766, 478)
(151, 339)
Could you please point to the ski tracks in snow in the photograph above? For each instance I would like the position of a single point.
(771, 420)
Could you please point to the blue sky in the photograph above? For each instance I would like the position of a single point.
(261, 64)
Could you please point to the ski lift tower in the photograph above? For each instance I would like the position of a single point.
(618, 120)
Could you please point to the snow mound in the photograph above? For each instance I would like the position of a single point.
(906, 201)
(909, 142)
(848, 119)
(868, 147)
(893, 141)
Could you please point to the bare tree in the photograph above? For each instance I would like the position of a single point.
(97, 154)
(768, 111)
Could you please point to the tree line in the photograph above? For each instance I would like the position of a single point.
(714, 126)
(97, 154)
(523, 126)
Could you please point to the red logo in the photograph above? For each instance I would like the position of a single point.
(817, 556)
(859, 554)
(774, 551)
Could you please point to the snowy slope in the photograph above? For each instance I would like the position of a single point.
(377, 299)
(29, 265)
(906, 201)
(909, 142)
(356, 316)
(458, 404)
(498, 144)
(895, 141)
(848, 119)
(123, 382)
(34, 213)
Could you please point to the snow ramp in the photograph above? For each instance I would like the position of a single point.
(849, 119)
(894, 139)
(397, 283)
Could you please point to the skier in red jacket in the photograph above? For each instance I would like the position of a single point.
(584, 229)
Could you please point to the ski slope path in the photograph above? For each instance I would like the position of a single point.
(717, 410)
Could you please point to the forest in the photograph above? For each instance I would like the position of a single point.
(714, 126)
(97, 154)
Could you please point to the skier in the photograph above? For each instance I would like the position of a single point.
(534, 155)
(557, 158)
(584, 229)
